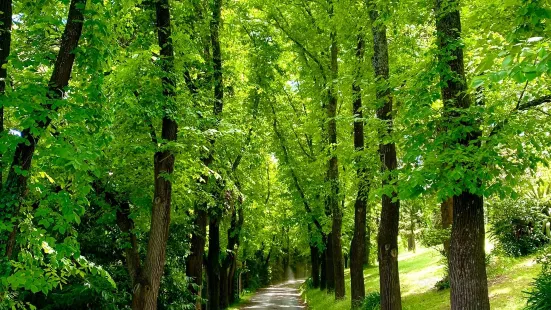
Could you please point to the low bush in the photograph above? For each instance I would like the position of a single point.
(372, 301)
(539, 297)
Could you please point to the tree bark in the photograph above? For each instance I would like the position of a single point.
(146, 292)
(468, 280)
(323, 270)
(333, 169)
(390, 210)
(194, 262)
(236, 233)
(314, 260)
(226, 274)
(5, 48)
(446, 211)
(213, 260)
(357, 249)
(213, 264)
(329, 264)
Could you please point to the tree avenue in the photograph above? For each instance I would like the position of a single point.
(217, 154)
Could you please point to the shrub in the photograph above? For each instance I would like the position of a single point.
(372, 301)
(518, 226)
(539, 297)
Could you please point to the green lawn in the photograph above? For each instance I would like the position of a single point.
(507, 278)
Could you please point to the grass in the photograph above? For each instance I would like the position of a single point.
(507, 279)
(243, 300)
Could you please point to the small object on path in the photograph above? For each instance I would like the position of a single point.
(282, 296)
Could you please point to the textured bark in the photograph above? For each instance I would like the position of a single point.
(233, 289)
(390, 210)
(213, 261)
(146, 292)
(314, 260)
(446, 211)
(323, 270)
(333, 170)
(16, 184)
(5, 47)
(468, 280)
(469, 287)
(357, 249)
(194, 262)
(329, 264)
(226, 274)
(126, 225)
(213, 264)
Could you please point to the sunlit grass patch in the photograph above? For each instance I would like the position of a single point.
(508, 278)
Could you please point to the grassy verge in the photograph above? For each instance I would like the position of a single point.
(507, 278)
(243, 300)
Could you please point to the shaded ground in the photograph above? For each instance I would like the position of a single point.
(282, 296)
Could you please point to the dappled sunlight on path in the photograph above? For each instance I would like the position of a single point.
(282, 296)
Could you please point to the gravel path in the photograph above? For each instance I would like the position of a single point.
(282, 296)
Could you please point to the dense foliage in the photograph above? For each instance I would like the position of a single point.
(162, 154)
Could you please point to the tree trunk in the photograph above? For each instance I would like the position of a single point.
(323, 270)
(194, 262)
(446, 211)
(213, 264)
(367, 256)
(213, 261)
(357, 249)
(390, 210)
(468, 280)
(5, 48)
(333, 170)
(469, 287)
(314, 259)
(146, 292)
(224, 288)
(329, 264)
(229, 263)
(16, 183)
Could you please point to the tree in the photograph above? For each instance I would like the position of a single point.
(147, 288)
(15, 188)
(469, 287)
(388, 227)
(358, 247)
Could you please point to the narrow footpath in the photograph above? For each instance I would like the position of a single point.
(285, 295)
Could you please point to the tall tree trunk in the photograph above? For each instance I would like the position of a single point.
(226, 274)
(333, 169)
(357, 249)
(236, 233)
(213, 264)
(446, 211)
(314, 260)
(213, 267)
(146, 292)
(329, 264)
(468, 280)
(194, 262)
(5, 48)
(16, 184)
(390, 210)
(323, 270)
